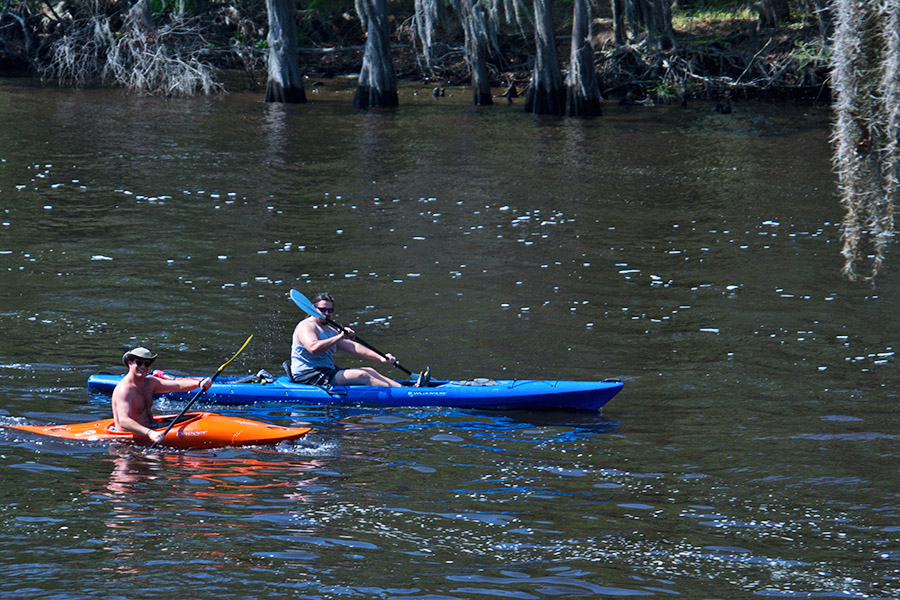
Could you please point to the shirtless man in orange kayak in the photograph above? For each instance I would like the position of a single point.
(132, 398)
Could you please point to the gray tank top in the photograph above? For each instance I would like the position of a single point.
(302, 359)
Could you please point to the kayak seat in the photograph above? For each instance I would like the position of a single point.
(262, 376)
(163, 423)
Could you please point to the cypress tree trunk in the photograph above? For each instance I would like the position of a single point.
(866, 82)
(425, 18)
(619, 31)
(285, 82)
(654, 17)
(547, 94)
(582, 92)
(377, 87)
(475, 24)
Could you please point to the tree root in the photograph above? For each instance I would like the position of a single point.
(166, 61)
(780, 68)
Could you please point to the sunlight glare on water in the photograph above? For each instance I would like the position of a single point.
(694, 256)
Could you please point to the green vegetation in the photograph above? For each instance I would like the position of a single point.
(811, 53)
(688, 18)
(665, 91)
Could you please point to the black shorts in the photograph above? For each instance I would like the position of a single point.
(320, 376)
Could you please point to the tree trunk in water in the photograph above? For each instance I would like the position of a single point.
(475, 24)
(285, 82)
(377, 87)
(866, 82)
(547, 94)
(582, 93)
(425, 19)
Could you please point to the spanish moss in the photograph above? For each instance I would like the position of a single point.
(866, 80)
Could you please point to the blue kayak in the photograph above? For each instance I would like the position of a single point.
(510, 394)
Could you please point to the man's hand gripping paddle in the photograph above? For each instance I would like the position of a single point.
(309, 308)
(200, 391)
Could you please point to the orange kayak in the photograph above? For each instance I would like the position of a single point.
(194, 430)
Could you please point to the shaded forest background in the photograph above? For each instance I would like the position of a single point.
(715, 49)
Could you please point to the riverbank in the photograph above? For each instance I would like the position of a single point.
(712, 58)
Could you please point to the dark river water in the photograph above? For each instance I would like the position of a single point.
(753, 451)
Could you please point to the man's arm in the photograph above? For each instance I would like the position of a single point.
(306, 334)
(356, 349)
(122, 410)
(182, 384)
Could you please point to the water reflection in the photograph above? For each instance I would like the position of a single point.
(226, 480)
(274, 132)
(217, 494)
(373, 147)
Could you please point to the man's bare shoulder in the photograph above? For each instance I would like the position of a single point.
(127, 386)
(123, 386)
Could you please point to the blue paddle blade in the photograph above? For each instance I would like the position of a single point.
(305, 305)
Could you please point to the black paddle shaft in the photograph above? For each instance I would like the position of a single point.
(200, 391)
(185, 409)
(356, 338)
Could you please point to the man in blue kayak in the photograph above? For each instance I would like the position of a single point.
(314, 344)
(132, 398)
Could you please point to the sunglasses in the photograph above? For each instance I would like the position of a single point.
(326, 311)
(141, 362)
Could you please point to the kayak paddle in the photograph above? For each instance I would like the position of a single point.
(310, 309)
(200, 391)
